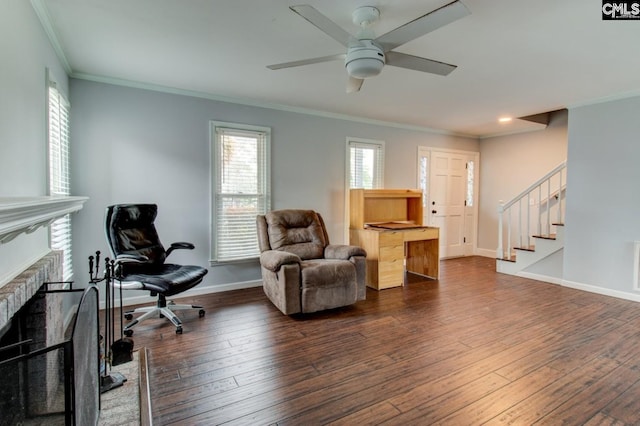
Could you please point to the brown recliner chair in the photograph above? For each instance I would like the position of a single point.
(301, 271)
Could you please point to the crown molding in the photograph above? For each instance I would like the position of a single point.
(612, 98)
(45, 20)
(20, 215)
(267, 105)
(44, 16)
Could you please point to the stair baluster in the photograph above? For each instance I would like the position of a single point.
(549, 204)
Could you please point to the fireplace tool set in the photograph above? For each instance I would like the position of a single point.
(112, 352)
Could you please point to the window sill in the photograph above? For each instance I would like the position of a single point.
(252, 260)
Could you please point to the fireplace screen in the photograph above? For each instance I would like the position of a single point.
(57, 383)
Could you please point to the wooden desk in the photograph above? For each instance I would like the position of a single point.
(390, 252)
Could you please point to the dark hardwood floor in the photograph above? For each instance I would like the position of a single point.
(475, 347)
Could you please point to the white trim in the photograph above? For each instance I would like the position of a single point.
(610, 98)
(347, 177)
(45, 20)
(485, 253)
(475, 155)
(513, 132)
(450, 151)
(601, 290)
(262, 104)
(26, 214)
(262, 134)
(636, 265)
(545, 278)
(580, 286)
(196, 291)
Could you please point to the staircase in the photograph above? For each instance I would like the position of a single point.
(531, 226)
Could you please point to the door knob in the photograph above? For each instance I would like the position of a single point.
(434, 211)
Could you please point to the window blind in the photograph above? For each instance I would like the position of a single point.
(59, 176)
(241, 191)
(366, 165)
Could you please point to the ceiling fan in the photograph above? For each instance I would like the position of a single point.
(366, 54)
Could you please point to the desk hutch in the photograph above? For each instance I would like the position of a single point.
(387, 223)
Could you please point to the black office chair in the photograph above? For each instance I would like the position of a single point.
(139, 262)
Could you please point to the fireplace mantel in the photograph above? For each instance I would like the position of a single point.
(26, 214)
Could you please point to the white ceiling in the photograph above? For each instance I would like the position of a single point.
(514, 58)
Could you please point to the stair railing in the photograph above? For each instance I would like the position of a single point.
(533, 212)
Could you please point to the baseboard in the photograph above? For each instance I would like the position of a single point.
(485, 253)
(603, 291)
(196, 291)
(538, 277)
(580, 286)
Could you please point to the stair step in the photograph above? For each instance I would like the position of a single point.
(526, 248)
(545, 236)
(558, 224)
(511, 259)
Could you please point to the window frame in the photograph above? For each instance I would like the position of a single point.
(58, 141)
(380, 160)
(379, 147)
(264, 172)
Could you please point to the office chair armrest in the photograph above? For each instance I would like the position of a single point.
(179, 246)
(343, 251)
(274, 259)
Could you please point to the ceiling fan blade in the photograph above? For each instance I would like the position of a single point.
(323, 23)
(417, 63)
(422, 25)
(307, 61)
(354, 84)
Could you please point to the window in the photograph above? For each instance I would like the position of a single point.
(423, 170)
(470, 182)
(59, 176)
(240, 189)
(366, 164)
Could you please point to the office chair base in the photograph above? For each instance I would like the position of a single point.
(166, 311)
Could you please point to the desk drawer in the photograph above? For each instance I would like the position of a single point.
(391, 253)
(390, 274)
(421, 234)
(390, 238)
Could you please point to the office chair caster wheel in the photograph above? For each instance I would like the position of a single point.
(201, 313)
(128, 317)
(178, 330)
(128, 333)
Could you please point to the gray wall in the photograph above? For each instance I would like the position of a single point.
(509, 164)
(135, 145)
(138, 145)
(603, 199)
(25, 53)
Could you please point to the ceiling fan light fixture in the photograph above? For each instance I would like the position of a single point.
(367, 54)
(365, 60)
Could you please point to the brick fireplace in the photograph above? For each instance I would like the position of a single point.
(35, 355)
(33, 388)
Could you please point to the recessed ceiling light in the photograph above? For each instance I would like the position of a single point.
(504, 119)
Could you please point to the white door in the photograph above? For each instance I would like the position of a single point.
(448, 181)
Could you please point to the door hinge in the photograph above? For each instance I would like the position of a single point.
(464, 239)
